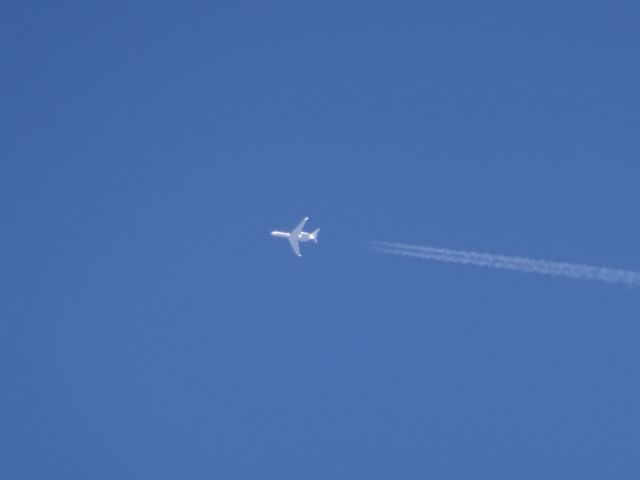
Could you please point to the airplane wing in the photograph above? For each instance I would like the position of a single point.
(295, 245)
(293, 236)
(296, 231)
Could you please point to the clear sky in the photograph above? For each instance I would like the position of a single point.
(151, 328)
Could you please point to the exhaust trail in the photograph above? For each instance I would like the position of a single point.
(521, 264)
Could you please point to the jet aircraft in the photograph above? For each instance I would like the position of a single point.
(297, 235)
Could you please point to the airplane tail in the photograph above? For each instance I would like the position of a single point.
(314, 235)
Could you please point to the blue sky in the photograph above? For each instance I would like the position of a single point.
(150, 327)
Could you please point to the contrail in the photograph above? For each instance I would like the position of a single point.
(521, 264)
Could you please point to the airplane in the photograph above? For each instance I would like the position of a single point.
(297, 235)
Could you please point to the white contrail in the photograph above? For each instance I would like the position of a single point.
(582, 272)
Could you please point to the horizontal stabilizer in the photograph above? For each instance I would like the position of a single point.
(314, 235)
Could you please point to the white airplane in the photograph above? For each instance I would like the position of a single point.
(297, 235)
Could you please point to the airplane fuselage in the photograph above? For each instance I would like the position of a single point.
(297, 235)
(302, 236)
